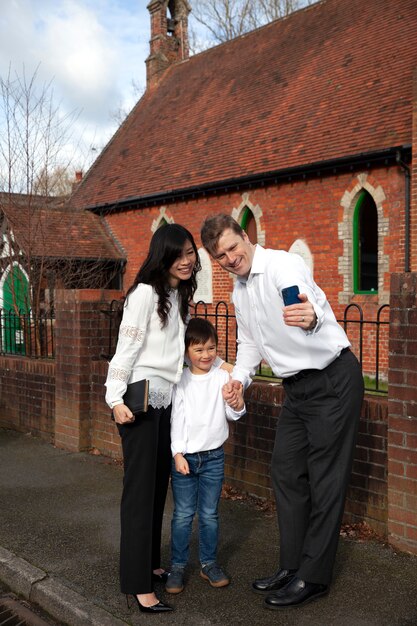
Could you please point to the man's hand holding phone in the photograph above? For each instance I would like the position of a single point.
(298, 311)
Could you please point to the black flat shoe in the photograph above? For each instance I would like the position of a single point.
(160, 578)
(295, 593)
(274, 582)
(160, 607)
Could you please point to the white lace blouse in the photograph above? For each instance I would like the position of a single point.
(146, 350)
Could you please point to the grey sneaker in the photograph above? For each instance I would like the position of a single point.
(214, 575)
(175, 582)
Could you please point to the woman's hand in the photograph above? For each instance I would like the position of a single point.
(122, 414)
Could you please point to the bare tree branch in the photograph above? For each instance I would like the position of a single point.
(226, 19)
(43, 243)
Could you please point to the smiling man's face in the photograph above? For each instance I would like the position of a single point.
(234, 252)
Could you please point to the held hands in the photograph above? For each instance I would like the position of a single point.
(301, 315)
(233, 394)
(181, 464)
(122, 414)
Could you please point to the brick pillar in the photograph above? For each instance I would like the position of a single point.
(413, 191)
(402, 413)
(81, 333)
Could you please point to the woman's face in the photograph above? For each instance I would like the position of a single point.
(183, 266)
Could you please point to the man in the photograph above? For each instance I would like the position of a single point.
(316, 432)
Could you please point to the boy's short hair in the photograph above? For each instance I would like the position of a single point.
(213, 228)
(199, 330)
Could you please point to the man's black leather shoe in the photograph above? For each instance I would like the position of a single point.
(274, 582)
(295, 593)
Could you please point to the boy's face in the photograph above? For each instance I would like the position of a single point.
(201, 356)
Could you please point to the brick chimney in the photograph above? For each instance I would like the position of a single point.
(78, 179)
(169, 37)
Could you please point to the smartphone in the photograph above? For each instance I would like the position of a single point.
(289, 295)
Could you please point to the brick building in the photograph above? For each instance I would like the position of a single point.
(44, 245)
(301, 129)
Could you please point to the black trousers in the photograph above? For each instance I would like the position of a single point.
(311, 464)
(147, 463)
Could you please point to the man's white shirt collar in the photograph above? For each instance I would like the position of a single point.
(258, 264)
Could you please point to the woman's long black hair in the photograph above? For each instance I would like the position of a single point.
(166, 246)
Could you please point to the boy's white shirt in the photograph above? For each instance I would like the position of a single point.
(199, 412)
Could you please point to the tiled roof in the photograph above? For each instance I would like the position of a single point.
(47, 228)
(331, 80)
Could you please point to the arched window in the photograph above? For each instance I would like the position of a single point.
(162, 222)
(365, 245)
(249, 225)
(15, 300)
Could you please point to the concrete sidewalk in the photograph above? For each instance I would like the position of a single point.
(59, 534)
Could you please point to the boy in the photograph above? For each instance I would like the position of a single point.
(198, 430)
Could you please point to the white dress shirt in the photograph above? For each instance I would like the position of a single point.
(145, 349)
(262, 333)
(199, 413)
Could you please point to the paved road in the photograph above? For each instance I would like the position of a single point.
(59, 533)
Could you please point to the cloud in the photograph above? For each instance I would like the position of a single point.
(83, 62)
(91, 49)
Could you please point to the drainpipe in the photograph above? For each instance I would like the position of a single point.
(405, 168)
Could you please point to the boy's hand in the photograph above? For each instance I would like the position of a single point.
(181, 464)
(233, 395)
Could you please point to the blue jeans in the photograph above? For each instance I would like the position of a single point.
(197, 492)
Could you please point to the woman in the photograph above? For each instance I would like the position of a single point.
(151, 346)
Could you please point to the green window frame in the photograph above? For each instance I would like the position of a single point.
(15, 301)
(365, 245)
(162, 222)
(248, 223)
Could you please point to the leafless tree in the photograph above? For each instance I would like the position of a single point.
(34, 132)
(226, 19)
(59, 182)
(120, 114)
(43, 243)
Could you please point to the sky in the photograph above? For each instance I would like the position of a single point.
(92, 50)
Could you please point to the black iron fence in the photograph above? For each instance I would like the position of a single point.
(369, 338)
(27, 334)
(31, 335)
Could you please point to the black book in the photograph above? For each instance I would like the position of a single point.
(136, 396)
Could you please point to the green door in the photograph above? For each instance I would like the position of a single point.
(15, 292)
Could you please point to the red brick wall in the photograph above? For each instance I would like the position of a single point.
(249, 450)
(310, 210)
(367, 497)
(402, 408)
(413, 191)
(104, 435)
(27, 401)
(251, 441)
(81, 332)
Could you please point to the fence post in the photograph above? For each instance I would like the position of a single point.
(402, 413)
(81, 334)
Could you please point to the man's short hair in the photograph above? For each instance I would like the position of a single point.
(213, 228)
(199, 330)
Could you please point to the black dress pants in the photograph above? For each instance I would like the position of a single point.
(147, 463)
(311, 464)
